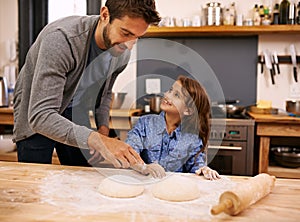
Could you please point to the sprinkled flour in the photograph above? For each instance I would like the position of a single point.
(75, 193)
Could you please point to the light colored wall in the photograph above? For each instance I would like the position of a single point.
(277, 93)
(284, 83)
(8, 28)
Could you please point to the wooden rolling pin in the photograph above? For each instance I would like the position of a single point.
(246, 193)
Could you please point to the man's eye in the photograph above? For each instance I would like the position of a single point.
(177, 95)
(126, 34)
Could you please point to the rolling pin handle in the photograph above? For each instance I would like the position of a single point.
(221, 207)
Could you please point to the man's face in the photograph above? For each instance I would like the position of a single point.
(123, 33)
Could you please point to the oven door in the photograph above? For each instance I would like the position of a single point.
(229, 158)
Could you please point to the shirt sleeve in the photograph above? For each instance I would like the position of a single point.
(135, 137)
(47, 92)
(196, 160)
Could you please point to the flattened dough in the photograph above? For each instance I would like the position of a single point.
(120, 186)
(176, 188)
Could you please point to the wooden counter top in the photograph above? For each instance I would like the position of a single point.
(268, 118)
(26, 191)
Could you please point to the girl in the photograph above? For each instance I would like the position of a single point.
(176, 139)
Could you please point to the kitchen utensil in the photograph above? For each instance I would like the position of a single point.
(117, 100)
(3, 92)
(286, 156)
(293, 106)
(155, 103)
(228, 108)
(273, 64)
(246, 193)
(262, 61)
(269, 65)
(294, 61)
(6, 144)
(255, 109)
(213, 13)
(275, 57)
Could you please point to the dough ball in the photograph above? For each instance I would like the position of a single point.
(176, 188)
(120, 186)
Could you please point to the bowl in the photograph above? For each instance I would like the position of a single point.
(287, 156)
(117, 100)
(293, 106)
(6, 144)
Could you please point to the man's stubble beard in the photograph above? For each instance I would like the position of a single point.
(109, 46)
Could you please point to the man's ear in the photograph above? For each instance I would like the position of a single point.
(104, 12)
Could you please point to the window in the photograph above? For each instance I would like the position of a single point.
(58, 8)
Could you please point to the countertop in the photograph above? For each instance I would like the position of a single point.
(36, 192)
(275, 118)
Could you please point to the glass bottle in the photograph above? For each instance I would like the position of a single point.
(276, 14)
(284, 12)
(256, 17)
(232, 14)
(298, 14)
(292, 11)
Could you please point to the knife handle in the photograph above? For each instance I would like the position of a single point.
(272, 77)
(273, 68)
(262, 61)
(295, 74)
(278, 70)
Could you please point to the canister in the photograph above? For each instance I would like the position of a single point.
(213, 13)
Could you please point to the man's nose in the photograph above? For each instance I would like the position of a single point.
(130, 44)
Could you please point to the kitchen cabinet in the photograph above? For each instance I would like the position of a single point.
(120, 121)
(6, 116)
(221, 31)
(268, 126)
(40, 192)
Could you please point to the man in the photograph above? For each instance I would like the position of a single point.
(69, 72)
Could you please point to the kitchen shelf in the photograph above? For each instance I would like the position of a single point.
(154, 31)
(283, 172)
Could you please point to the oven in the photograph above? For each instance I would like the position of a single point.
(231, 146)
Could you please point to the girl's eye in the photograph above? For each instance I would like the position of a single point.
(177, 95)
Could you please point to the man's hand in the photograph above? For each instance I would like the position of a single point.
(104, 130)
(208, 173)
(114, 151)
(154, 169)
(96, 156)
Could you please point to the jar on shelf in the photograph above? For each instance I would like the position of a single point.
(284, 12)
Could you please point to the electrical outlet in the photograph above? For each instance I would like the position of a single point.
(153, 86)
(295, 91)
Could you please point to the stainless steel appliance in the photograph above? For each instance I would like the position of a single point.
(231, 146)
(3, 92)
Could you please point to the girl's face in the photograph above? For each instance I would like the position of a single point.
(174, 100)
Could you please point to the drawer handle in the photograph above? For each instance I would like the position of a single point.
(225, 147)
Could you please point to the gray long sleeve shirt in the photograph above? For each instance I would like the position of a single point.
(50, 76)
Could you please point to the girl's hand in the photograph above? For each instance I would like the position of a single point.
(208, 173)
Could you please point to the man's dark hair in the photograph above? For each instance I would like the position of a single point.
(135, 9)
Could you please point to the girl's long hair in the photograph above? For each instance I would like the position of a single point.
(197, 102)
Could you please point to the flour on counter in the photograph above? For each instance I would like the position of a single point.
(75, 193)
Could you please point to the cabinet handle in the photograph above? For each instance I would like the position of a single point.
(225, 147)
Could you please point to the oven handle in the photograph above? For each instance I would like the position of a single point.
(225, 147)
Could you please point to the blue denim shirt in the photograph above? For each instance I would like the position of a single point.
(175, 152)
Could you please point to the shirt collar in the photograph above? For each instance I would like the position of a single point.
(161, 126)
